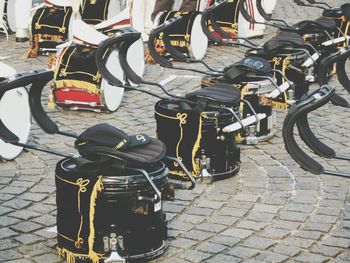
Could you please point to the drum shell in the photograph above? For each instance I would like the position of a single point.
(118, 209)
(288, 65)
(193, 136)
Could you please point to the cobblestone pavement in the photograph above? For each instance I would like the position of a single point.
(272, 211)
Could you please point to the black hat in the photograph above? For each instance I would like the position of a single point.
(108, 136)
(104, 138)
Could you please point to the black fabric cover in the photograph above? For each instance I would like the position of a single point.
(73, 199)
(220, 93)
(77, 69)
(320, 25)
(146, 151)
(280, 42)
(50, 24)
(94, 12)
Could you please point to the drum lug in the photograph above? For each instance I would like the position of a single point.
(204, 164)
(168, 193)
(112, 243)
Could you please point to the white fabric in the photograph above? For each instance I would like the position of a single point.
(87, 33)
(244, 27)
(23, 13)
(59, 2)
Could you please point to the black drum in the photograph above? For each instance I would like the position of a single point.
(49, 28)
(227, 18)
(94, 12)
(110, 213)
(187, 35)
(290, 64)
(198, 140)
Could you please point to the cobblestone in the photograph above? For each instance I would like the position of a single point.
(272, 211)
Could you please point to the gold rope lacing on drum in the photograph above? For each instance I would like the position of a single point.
(285, 65)
(95, 257)
(182, 121)
(81, 184)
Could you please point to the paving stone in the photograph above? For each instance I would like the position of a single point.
(266, 208)
(24, 214)
(200, 211)
(337, 242)
(210, 204)
(195, 256)
(317, 227)
(197, 235)
(6, 233)
(211, 247)
(180, 226)
(258, 242)
(286, 224)
(293, 216)
(290, 251)
(216, 228)
(168, 207)
(311, 258)
(7, 255)
(47, 258)
(271, 257)
(26, 227)
(237, 232)
(253, 225)
(274, 233)
(27, 239)
(223, 259)
(224, 240)
(324, 219)
(193, 219)
(298, 242)
(224, 220)
(183, 243)
(261, 217)
(308, 234)
(243, 252)
(17, 204)
(235, 212)
(22, 260)
(326, 250)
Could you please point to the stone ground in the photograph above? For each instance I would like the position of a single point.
(272, 211)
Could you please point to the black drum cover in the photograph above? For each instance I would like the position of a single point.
(227, 17)
(50, 26)
(94, 11)
(77, 68)
(94, 204)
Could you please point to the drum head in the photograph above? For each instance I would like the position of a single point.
(136, 60)
(15, 114)
(269, 5)
(11, 15)
(199, 41)
(112, 95)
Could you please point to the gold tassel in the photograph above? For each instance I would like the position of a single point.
(95, 257)
(51, 105)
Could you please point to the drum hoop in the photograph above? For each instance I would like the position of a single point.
(162, 168)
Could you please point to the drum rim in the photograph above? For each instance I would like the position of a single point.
(158, 171)
(27, 133)
(105, 85)
(198, 16)
(142, 62)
